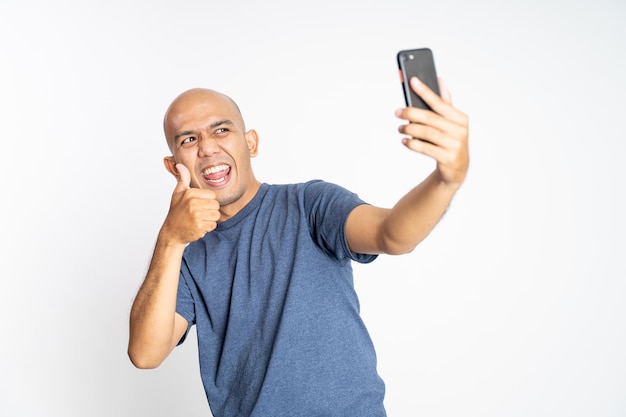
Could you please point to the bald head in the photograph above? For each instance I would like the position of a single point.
(194, 101)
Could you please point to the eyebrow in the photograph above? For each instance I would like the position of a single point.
(211, 126)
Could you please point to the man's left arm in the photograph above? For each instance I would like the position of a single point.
(444, 134)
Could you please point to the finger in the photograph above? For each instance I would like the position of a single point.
(426, 117)
(437, 103)
(424, 147)
(184, 179)
(431, 98)
(431, 126)
(203, 201)
(427, 134)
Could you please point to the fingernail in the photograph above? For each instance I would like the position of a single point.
(399, 112)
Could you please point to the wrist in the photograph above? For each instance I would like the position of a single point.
(449, 184)
(168, 240)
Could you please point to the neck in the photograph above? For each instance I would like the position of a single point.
(230, 210)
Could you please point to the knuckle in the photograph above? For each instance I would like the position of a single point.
(193, 205)
(430, 134)
(436, 135)
(410, 112)
(415, 131)
(430, 118)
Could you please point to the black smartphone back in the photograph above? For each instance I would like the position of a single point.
(421, 64)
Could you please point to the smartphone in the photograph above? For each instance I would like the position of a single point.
(421, 64)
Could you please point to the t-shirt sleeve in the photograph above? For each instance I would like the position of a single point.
(328, 206)
(184, 300)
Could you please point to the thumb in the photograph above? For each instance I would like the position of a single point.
(184, 178)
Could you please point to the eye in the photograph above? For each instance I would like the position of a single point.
(221, 131)
(188, 141)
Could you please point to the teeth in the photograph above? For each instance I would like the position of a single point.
(215, 169)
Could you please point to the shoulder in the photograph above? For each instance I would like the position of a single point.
(318, 186)
(328, 191)
(308, 190)
(313, 196)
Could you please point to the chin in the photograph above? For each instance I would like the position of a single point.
(226, 198)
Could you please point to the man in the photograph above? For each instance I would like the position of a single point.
(264, 271)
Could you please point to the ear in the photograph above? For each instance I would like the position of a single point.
(252, 140)
(170, 165)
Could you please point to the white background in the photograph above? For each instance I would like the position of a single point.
(514, 306)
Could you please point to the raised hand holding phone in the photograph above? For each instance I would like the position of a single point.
(193, 212)
(418, 63)
(441, 128)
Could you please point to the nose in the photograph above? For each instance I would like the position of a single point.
(207, 147)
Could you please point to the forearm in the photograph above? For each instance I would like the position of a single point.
(152, 317)
(416, 214)
(444, 132)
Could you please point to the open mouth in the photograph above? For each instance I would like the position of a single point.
(216, 175)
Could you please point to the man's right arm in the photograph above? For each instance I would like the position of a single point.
(155, 327)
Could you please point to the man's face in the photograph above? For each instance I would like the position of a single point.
(205, 132)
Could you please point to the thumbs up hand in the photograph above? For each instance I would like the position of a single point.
(193, 212)
(184, 179)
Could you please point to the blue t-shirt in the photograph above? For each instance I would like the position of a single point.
(271, 294)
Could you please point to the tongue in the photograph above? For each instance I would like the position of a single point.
(217, 175)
